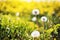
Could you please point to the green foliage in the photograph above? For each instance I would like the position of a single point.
(13, 28)
(21, 27)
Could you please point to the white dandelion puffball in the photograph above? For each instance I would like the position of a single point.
(43, 19)
(35, 34)
(35, 12)
(17, 14)
(34, 19)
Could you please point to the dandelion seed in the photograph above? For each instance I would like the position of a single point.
(34, 19)
(35, 12)
(44, 19)
(35, 34)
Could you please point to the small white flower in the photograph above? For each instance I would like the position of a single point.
(34, 19)
(17, 14)
(35, 12)
(43, 19)
(35, 34)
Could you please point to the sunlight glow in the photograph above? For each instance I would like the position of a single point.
(26, 0)
(3, 0)
(39, 0)
(58, 0)
(36, 0)
(33, 0)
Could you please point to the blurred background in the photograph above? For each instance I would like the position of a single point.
(17, 22)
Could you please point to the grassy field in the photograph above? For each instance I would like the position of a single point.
(29, 20)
